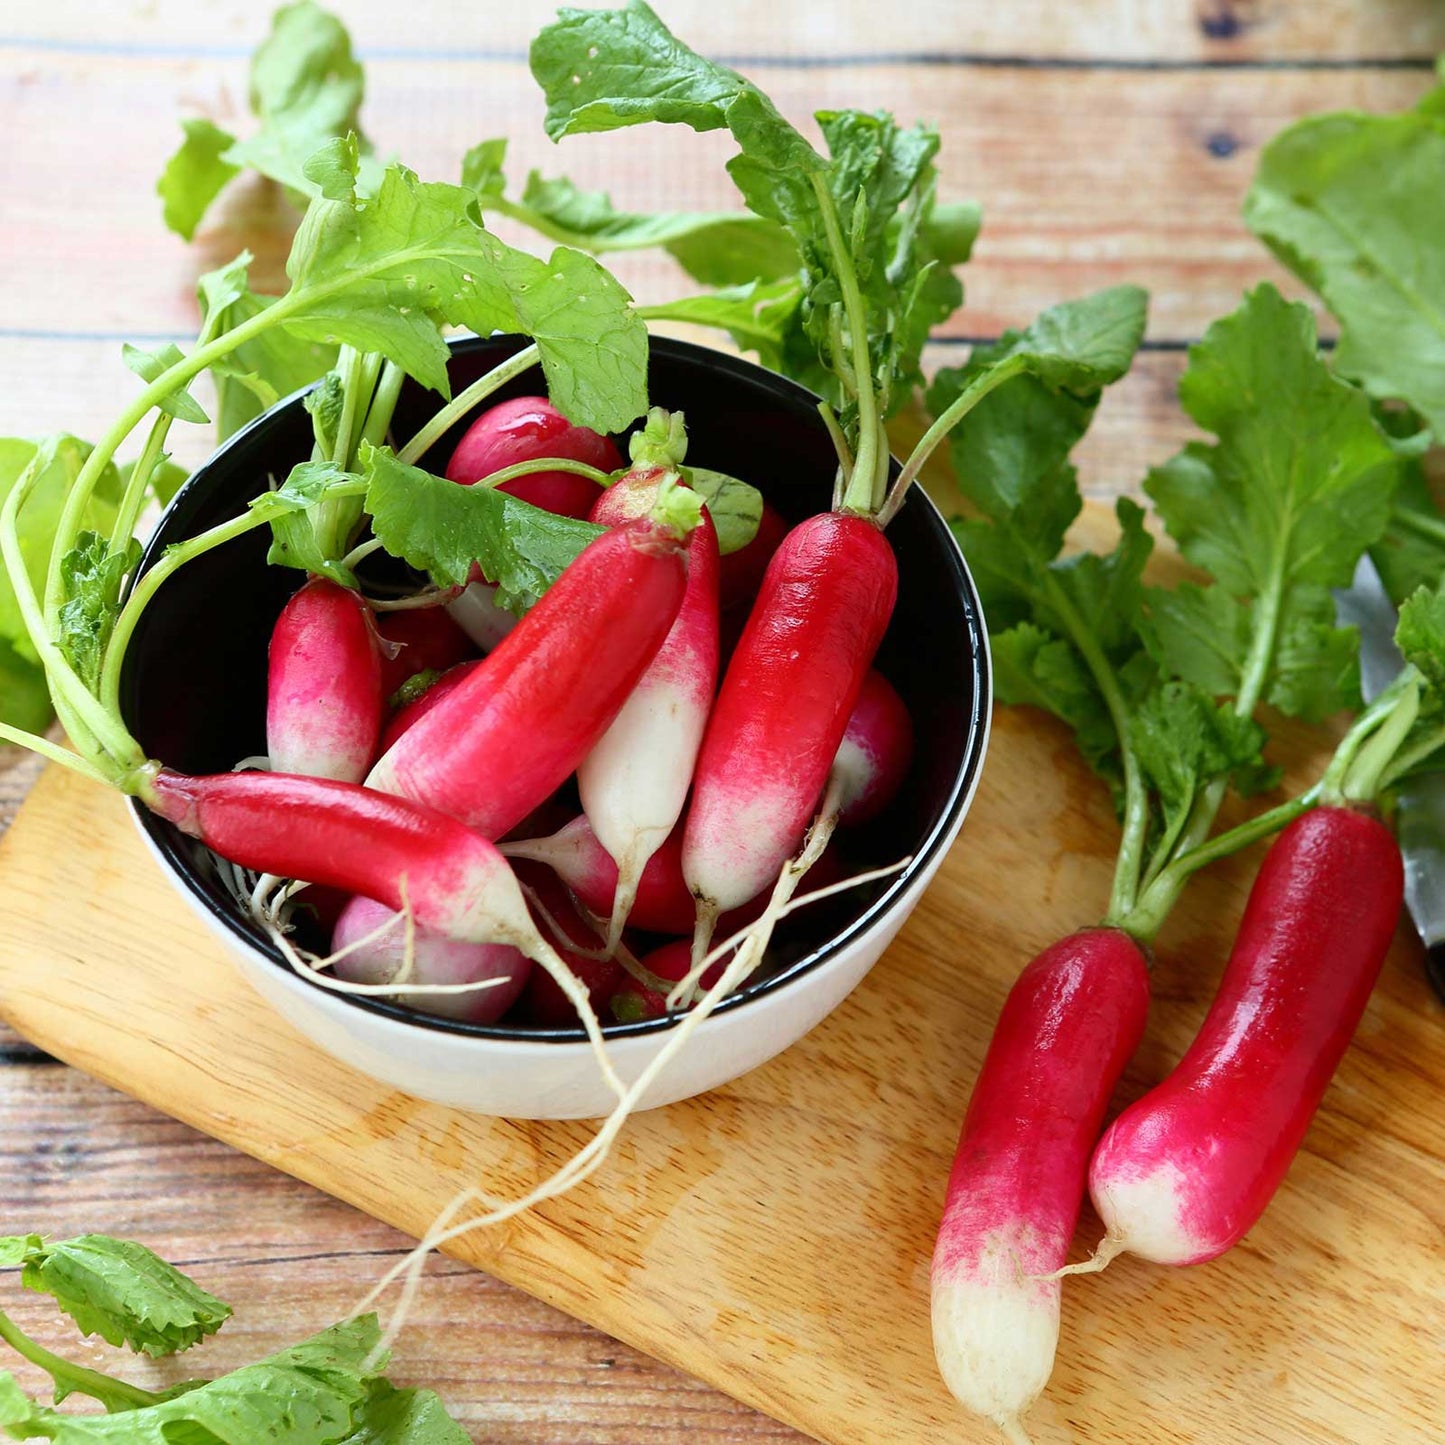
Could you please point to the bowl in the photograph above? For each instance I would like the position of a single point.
(193, 693)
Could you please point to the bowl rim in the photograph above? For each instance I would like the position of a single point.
(171, 847)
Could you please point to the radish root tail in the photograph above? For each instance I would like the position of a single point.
(1012, 1430)
(1110, 1248)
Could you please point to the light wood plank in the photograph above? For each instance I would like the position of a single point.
(1087, 178)
(1140, 30)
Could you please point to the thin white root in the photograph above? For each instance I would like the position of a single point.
(707, 915)
(1110, 1248)
(760, 933)
(566, 1177)
(429, 597)
(540, 951)
(1012, 1430)
(629, 875)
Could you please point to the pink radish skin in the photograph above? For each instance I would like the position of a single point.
(526, 429)
(1068, 1026)
(785, 701)
(324, 694)
(344, 836)
(1182, 1174)
(419, 707)
(634, 782)
(741, 572)
(509, 736)
(876, 752)
(436, 959)
(419, 639)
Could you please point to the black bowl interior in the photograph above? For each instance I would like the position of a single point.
(193, 691)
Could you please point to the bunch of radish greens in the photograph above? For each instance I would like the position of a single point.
(327, 1390)
(1313, 462)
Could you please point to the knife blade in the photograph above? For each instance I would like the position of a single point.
(1420, 820)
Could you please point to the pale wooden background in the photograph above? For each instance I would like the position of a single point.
(1107, 140)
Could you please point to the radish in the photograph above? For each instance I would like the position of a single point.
(741, 572)
(634, 781)
(785, 701)
(1067, 1029)
(1183, 1173)
(421, 639)
(324, 685)
(508, 737)
(522, 430)
(413, 711)
(372, 946)
(401, 854)
(525, 429)
(876, 751)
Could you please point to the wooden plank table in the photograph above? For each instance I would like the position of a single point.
(1108, 140)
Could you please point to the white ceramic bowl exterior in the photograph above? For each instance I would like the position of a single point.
(553, 1079)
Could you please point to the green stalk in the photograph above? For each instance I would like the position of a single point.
(1422, 525)
(1136, 798)
(115, 1395)
(1362, 782)
(461, 404)
(383, 405)
(1408, 758)
(34, 743)
(349, 366)
(964, 403)
(133, 502)
(858, 490)
(757, 337)
(1147, 916)
(546, 464)
(65, 685)
(148, 585)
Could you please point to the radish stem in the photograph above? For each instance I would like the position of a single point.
(464, 401)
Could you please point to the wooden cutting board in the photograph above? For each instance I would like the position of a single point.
(773, 1237)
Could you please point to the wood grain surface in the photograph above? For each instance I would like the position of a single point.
(1109, 139)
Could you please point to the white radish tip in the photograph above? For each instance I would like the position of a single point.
(994, 1341)
(1144, 1214)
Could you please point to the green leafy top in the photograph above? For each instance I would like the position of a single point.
(121, 1291)
(306, 88)
(870, 289)
(1354, 205)
(327, 1390)
(1279, 509)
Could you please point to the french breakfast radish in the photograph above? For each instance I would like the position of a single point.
(525, 429)
(786, 697)
(631, 1001)
(372, 945)
(635, 780)
(1068, 1027)
(399, 853)
(1184, 1172)
(512, 733)
(324, 690)
(876, 752)
(741, 573)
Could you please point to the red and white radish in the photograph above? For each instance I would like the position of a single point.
(876, 752)
(372, 945)
(324, 696)
(543, 1004)
(404, 855)
(507, 738)
(1183, 1173)
(635, 780)
(783, 708)
(631, 1001)
(526, 429)
(1067, 1029)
